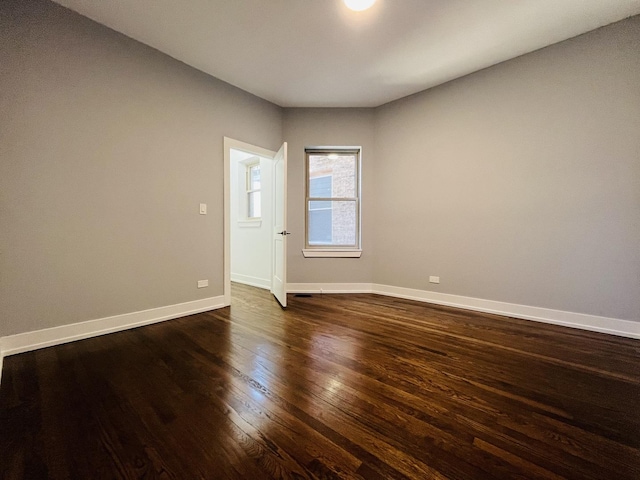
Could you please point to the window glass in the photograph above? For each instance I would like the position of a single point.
(340, 168)
(254, 177)
(254, 199)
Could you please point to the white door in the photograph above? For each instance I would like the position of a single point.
(279, 281)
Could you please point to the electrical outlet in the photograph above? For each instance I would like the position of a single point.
(203, 283)
(434, 279)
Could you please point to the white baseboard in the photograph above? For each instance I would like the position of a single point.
(252, 281)
(329, 288)
(24, 342)
(612, 326)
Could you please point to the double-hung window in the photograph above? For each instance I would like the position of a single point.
(332, 202)
(254, 203)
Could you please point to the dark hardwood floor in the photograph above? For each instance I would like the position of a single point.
(336, 386)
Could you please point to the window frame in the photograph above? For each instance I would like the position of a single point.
(325, 250)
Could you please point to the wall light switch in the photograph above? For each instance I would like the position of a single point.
(203, 283)
(434, 279)
(203, 209)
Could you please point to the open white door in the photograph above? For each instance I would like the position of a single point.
(279, 280)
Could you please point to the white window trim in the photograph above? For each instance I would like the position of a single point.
(323, 252)
(327, 251)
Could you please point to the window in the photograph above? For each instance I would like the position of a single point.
(254, 201)
(332, 202)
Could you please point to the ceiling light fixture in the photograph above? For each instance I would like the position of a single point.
(359, 5)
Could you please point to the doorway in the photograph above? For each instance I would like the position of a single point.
(248, 210)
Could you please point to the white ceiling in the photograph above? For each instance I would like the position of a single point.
(317, 53)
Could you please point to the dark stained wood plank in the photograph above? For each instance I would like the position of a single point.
(334, 387)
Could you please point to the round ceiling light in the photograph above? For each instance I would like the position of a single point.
(359, 5)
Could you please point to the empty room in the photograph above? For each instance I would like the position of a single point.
(337, 239)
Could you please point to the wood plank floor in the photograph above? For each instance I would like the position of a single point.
(336, 386)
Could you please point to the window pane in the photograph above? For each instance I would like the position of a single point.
(254, 177)
(320, 227)
(332, 223)
(320, 187)
(255, 210)
(320, 205)
(340, 168)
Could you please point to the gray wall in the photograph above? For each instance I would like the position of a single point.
(305, 127)
(520, 183)
(106, 148)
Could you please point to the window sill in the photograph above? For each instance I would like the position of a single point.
(320, 253)
(249, 223)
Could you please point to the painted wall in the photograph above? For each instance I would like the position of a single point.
(251, 248)
(520, 183)
(107, 147)
(305, 127)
